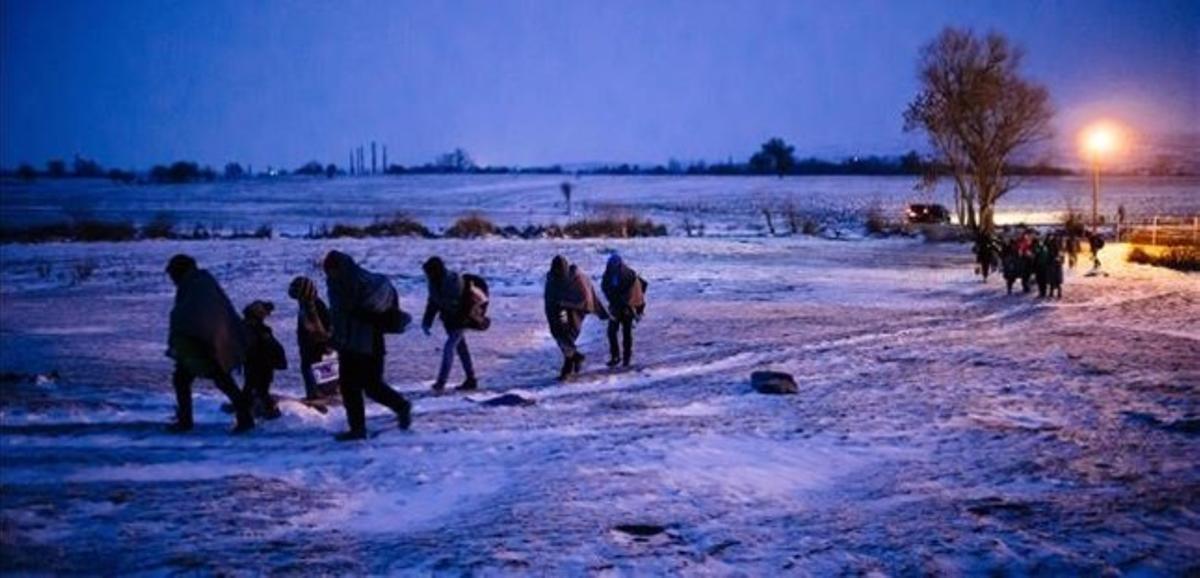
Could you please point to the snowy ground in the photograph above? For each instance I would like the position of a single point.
(942, 427)
(724, 205)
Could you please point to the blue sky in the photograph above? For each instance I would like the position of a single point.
(535, 82)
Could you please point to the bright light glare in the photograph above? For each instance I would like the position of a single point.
(1100, 139)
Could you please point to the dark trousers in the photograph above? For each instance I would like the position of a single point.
(364, 374)
(625, 325)
(183, 379)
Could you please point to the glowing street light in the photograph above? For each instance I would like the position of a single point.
(1099, 140)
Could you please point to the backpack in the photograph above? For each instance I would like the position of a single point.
(394, 319)
(475, 300)
(1097, 242)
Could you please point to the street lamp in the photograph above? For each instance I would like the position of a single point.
(1099, 140)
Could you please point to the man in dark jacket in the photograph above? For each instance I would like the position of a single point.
(445, 300)
(313, 334)
(626, 294)
(206, 339)
(358, 301)
(569, 298)
(264, 355)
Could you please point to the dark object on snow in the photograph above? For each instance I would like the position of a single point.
(509, 400)
(773, 383)
(313, 335)
(569, 298)
(626, 294)
(927, 214)
(363, 306)
(640, 530)
(206, 339)
(264, 355)
(448, 296)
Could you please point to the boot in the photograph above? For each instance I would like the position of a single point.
(627, 359)
(438, 387)
(350, 436)
(404, 415)
(469, 385)
(613, 361)
(577, 363)
(568, 365)
(245, 420)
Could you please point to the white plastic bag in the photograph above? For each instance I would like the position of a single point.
(326, 370)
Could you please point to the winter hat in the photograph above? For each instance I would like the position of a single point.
(302, 289)
(258, 310)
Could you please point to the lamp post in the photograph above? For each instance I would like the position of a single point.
(1098, 140)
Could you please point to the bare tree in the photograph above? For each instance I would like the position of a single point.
(979, 114)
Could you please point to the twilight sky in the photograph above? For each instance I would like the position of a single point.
(537, 82)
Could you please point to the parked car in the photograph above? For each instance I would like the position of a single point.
(927, 214)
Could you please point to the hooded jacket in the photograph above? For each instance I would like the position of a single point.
(356, 298)
(625, 291)
(206, 333)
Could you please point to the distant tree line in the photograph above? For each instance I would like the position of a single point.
(775, 157)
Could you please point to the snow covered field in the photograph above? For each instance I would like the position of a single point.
(941, 426)
(724, 204)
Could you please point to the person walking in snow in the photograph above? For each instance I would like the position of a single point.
(569, 298)
(1041, 264)
(1097, 243)
(313, 335)
(985, 254)
(1011, 264)
(264, 355)
(1055, 276)
(626, 294)
(1072, 247)
(206, 339)
(445, 300)
(362, 306)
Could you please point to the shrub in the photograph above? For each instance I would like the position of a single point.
(101, 231)
(1182, 258)
(399, 225)
(84, 230)
(877, 223)
(472, 226)
(619, 227)
(162, 226)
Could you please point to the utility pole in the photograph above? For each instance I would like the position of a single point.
(1095, 193)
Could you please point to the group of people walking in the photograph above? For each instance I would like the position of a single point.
(1034, 259)
(209, 339)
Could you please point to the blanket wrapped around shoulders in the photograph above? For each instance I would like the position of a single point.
(206, 333)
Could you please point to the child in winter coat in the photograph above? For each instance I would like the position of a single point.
(264, 355)
(313, 333)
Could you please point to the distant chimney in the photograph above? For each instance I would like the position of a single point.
(351, 166)
(373, 166)
(385, 165)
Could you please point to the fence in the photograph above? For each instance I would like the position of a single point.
(1161, 230)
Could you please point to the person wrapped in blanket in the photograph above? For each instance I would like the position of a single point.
(314, 335)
